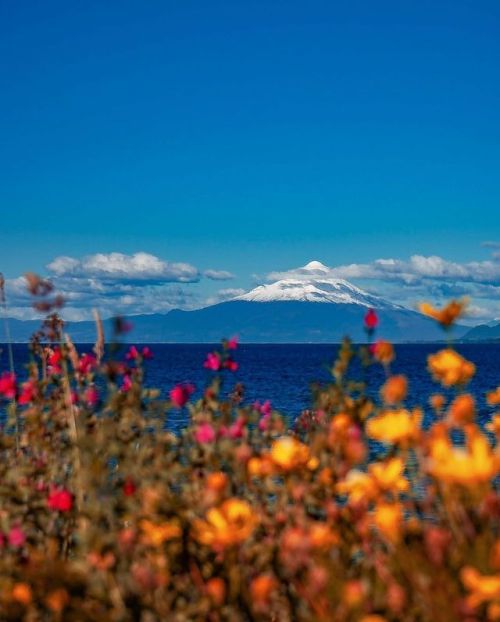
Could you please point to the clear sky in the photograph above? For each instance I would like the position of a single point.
(249, 136)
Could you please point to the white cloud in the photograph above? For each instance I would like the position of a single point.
(121, 267)
(218, 275)
(224, 294)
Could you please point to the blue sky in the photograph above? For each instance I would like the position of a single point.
(250, 137)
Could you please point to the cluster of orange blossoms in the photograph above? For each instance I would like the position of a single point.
(358, 512)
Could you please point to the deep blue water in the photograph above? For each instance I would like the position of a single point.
(284, 373)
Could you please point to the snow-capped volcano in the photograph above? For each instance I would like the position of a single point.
(311, 283)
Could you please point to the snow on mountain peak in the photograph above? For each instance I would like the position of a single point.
(312, 283)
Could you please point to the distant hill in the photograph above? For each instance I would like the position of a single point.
(483, 332)
(312, 308)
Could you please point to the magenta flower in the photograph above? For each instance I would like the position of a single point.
(8, 385)
(212, 361)
(60, 500)
(132, 354)
(204, 433)
(91, 396)
(87, 363)
(54, 361)
(180, 394)
(28, 392)
(16, 537)
(232, 343)
(231, 365)
(126, 384)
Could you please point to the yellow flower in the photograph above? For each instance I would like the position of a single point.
(229, 524)
(493, 397)
(449, 368)
(447, 315)
(156, 534)
(469, 466)
(357, 485)
(394, 390)
(288, 453)
(482, 588)
(394, 426)
(389, 475)
(388, 518)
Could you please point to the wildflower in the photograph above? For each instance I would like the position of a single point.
(322, 536)
(126, 384)
(216, 590)
(493, 397)
(260, 467)
(371, 320)
(132, 354)
(469, 466)
(482, 588)
(154, 534)
(54, 359)
(437, 401)
(447, 315)
(129, 487)
(231, 365)
(216, 481)
(60, 500)
(57, 600)
(229, 524)
(21, 593)
(388, 518)
(204, 433)
(16, 537)
(394, 390)
(494, 424)
(212, 361)
(354, 593)
(261, 588)
(86, 363)
(28, 392)
(357, 485)
(449, 368)
(8, 385)
(146, 353)
(91, 396)
(232, 343)
(389, 475)
(289, 453)
(383, 352)
(394, 426)
(462, 409)
(180, 394)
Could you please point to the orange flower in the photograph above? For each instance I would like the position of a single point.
(231, 523)
(57, 600)
(494, 424)
(447, 315)
(383, 352)
(260, 467)
(216, 589)
(449, 368)
(482, 588)
(357, 485)
(469, 466)
(354, 593)
(394, 426)
(437, 401)
(216, 482)
(394, 390)
(322, 536)
(373, 618)
(462, 409)
(262, 587)
(493, 397)
(157, 534)
(21, 593)
(288, 453)
(388, 518)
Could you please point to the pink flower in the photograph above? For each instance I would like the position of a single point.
(231, 365)
(87, 363)
(91, 396)
(204, 433)
(264, 422)
(132, 354)
(8, 385)
(28, 392)
(126, 384)
(212, 361)
(147, 353)
(236, 429)
(180, 394)
(264, 409)
(16, 537)
(232, 343)
(60, 500)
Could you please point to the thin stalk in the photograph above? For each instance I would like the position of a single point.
(8, 338)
